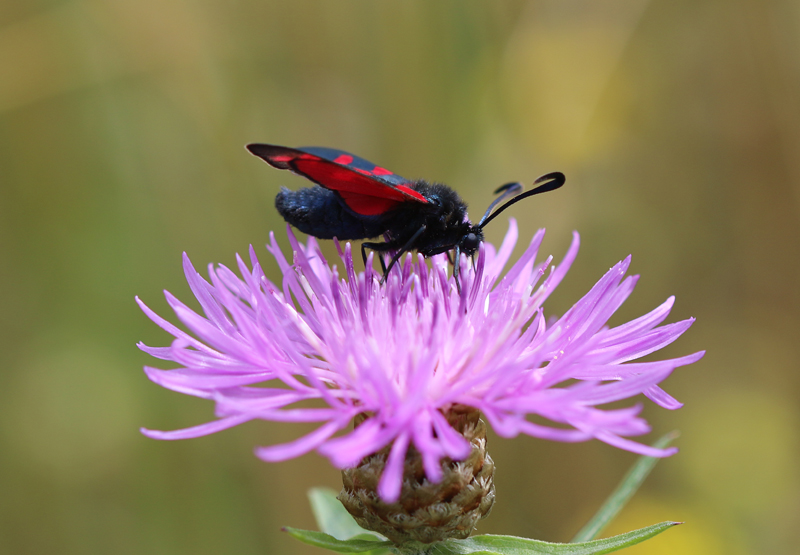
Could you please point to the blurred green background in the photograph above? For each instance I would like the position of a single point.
(122, 123)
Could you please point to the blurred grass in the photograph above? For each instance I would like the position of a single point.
(121, 134)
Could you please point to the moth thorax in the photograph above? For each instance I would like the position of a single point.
(426, 512)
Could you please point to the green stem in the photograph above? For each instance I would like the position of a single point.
(625, 490)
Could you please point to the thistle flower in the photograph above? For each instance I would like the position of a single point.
(407, 357)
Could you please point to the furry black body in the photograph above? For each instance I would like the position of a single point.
(319, 212)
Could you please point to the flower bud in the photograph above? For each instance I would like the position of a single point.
(426, 512)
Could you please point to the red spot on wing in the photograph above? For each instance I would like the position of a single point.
(368, 206)
(344, 159)
(381, 171)
(281, 158)
(363, 172)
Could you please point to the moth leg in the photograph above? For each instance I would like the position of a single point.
(457, 267)
(407, 247)
(377, 247)
(452, 259)
(440, 250)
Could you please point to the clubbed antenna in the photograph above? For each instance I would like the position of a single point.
(550, 182)
(508, 190)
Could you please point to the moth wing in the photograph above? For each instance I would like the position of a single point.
(365, 188)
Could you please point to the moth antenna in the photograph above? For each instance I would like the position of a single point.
(508, 189)
(550, 182)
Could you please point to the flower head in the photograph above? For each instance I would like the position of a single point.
(406, 352)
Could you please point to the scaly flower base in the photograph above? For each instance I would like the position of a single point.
(425, 512)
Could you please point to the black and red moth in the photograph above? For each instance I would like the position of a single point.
(355, 199)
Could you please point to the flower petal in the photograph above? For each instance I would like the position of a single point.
(317, 347)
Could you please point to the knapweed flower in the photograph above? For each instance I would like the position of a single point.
(409, 356)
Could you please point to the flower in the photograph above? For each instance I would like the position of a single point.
(407, 351)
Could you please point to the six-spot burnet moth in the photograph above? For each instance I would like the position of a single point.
(355, 199)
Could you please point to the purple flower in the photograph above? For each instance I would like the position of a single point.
(405, 351)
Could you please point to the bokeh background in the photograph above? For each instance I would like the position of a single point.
(677, 123)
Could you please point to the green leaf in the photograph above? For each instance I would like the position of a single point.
(332, 518)
(625, 490)
(479, 545)
(510, 545)
(363, 543)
